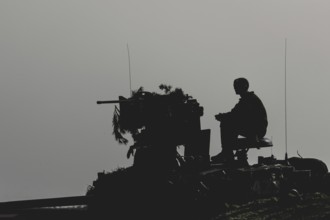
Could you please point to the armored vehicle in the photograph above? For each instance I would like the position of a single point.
(172, 176)
(163, 183)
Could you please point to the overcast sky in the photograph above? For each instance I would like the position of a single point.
(57, 58)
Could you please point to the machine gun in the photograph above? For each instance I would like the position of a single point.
(159, 123)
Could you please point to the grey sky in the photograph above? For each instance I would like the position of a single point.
(57, 58)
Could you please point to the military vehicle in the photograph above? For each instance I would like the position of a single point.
(163, 183)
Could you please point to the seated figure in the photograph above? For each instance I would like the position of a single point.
(248, 118)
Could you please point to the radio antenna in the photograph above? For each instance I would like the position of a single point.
(285, 104)
(129, 70)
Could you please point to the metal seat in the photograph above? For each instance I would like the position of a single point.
(246, 143)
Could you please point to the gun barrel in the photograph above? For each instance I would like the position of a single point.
(113, 101)
(108, 102)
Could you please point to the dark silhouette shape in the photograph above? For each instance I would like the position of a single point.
(248, 118)
(162, 184)
(158, 124)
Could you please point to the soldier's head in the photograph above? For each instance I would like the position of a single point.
(241, 86)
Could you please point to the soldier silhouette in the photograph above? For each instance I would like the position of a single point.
(248, 118)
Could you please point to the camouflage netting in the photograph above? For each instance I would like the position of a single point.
(176, 96)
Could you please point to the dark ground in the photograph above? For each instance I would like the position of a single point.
(308, 206)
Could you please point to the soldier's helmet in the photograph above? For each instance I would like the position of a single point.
(241, 85)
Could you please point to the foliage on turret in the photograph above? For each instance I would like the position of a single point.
(151, 110)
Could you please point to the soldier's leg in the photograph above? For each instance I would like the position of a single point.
(228, 136)
(251, 132)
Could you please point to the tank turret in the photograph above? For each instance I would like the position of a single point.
(159, 123)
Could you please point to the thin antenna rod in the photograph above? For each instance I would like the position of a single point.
(285, 105)
(129, 70)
